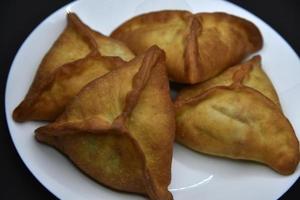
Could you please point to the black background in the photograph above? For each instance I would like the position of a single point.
(19, 17)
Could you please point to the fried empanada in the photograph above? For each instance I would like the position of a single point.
(62, 85)
(78, 47)
(232, 119)
(197, 46)
(76, 42)
(250, 73)
(117, 133)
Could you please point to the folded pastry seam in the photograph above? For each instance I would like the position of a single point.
(153, 60)
(77, 49)
(261, 134)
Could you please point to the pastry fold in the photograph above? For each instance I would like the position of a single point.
(79, 52)
(198, 46)
(237, 115)
(250, 74)
(120, 128)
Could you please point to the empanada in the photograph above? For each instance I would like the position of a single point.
(116, 132)
(62, 85)
(197, 46)
(235, 119)
(77, 45)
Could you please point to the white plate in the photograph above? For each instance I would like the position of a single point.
(194, 175)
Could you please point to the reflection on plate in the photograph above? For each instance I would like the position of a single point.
(193, 174)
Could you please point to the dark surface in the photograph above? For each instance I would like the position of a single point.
(18, 18)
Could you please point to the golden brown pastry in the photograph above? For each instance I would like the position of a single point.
(198, 46)
(252, 76)
(117, 133)
(236, 119)
(76, 50)
(62, 85)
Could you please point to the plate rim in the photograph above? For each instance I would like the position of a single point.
(9, 120)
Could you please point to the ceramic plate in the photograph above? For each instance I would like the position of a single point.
(194, 175)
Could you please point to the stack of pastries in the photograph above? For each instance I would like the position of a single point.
(108, 98)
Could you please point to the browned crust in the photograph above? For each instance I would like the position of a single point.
(239, 74)
(237, 80)
(193, 68)
(151, 60)
(153, 56)
(285, 167)
(244, 70)
(41, 136)
(74, 21)
(234, 86)
(254, 36)
(83, 29)
(140, 79)
(20, 114)
(150, 17)
(24, 110)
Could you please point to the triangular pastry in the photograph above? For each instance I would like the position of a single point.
(120, 128)
(239, 118)
(77, 45)
(198, 46)
(62, 85)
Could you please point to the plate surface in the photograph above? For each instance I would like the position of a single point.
(193, 175)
